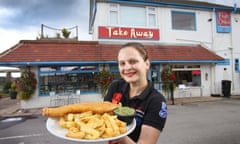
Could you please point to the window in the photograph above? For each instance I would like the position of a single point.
(190, 75)
(183, 20)
(151, 17)
(113, 14)
(70, 78)
(115, 71)
(155, 73)
(237, 65)
(63, 79)
(132, 16)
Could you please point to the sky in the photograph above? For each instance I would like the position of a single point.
(223, 2)
(22, 19)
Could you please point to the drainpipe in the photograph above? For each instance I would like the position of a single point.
(232, 65)
(213, 67)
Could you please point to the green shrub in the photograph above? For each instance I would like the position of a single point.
(6, 87)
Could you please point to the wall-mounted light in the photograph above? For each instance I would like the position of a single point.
(206, 76)
(236, 18)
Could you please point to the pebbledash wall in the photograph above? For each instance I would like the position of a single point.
(216, 28)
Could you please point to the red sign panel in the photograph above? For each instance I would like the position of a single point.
(105, 32)
(223, 18)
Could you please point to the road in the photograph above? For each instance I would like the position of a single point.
(195, 123)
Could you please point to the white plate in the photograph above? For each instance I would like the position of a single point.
(55, 129)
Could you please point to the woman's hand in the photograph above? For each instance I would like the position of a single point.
(124, 140)
(146, 132)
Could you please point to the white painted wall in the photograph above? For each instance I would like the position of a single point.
(205, 35)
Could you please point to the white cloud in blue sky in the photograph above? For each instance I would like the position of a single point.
(22, 19)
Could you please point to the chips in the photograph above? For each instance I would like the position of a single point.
(92, 126)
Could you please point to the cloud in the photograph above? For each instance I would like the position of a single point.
(35, 12)
(22, 19)
(222, 2)
(10, 37)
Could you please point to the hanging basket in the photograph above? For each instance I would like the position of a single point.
(26, 85)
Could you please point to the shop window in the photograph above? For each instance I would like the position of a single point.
(70, 78)
(114, 68)
(155, 73)
(67, 83)
(48, 69)
(183, 20)
(193, 66)
(69, 68)
(87, 68)
(188, 78)
(62, 79)
(189, 75)
(177, 66)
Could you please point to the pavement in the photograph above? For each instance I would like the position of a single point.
(12, 108)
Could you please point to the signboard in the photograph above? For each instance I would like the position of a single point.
(107, 32)
(223, 21)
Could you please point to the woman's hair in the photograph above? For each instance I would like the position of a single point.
(139, 47)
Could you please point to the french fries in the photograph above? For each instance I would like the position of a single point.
(88, 125)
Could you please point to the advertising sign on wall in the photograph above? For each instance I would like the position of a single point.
(223, 21)
(107, 32)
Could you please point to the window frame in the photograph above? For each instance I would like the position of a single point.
(187, 68)
(58, 71)
(147, 13)
(114, 9)
(184, 12)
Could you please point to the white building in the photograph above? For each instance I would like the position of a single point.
(179, 22)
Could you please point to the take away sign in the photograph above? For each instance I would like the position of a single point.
(107, 32)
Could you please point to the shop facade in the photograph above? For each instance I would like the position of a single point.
(178, 23)
(66, 67)
(198, 43)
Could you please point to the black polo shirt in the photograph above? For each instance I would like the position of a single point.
(150, 105)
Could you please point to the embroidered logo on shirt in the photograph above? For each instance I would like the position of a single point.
(163, 111)
(139, 115)
(116, 98)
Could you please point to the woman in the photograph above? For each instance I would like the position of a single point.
(135, 90)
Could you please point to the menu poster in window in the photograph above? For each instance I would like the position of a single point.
(223, 22)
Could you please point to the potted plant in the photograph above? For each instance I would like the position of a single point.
(168, 77)
(104, 79)
(6, 87)
(13, 91)
(26, 85)
(65, 33)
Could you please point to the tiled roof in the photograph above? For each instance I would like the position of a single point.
(76, 51)
(181, 53)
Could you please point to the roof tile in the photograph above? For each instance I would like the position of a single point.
(56, 50)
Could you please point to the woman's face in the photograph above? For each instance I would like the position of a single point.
(132, 66)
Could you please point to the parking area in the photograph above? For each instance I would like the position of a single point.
(209, 122)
